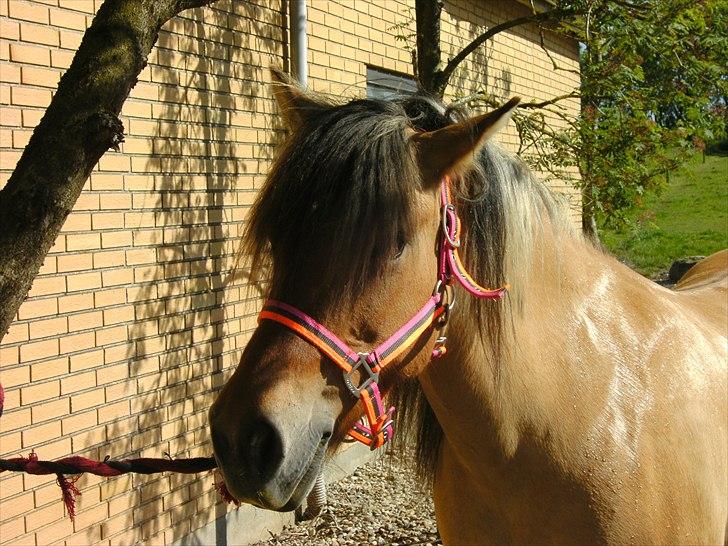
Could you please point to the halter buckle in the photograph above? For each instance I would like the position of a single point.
(449, 207)
(373, 377)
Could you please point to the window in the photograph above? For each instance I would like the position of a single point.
(388, 85)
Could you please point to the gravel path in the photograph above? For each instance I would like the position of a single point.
(381, 503)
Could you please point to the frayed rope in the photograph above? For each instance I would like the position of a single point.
(108, 468)
(69, 492)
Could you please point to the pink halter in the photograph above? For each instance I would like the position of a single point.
(434, 313)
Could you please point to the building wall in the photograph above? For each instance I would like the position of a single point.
(136, 318)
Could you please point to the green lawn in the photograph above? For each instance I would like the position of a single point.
(690, 217)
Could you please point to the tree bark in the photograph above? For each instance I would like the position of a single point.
(78, 127)
(429, 54)
(433, 76)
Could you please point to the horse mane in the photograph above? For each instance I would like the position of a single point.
(348, 167)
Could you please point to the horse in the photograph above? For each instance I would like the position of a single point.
(577, 402)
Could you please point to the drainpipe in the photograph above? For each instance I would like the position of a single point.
(299, 40)
(299, 64)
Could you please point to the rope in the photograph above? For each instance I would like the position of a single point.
(76, 466)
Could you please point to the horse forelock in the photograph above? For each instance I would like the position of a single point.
(341, 192)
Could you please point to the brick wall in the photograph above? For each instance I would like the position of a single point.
(136, 319)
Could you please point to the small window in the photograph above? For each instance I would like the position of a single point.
(388, 85)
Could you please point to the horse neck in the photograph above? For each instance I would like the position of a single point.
(484, 401)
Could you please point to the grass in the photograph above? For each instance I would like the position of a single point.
(688, 218)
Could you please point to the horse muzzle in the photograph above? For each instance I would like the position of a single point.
(268, 465)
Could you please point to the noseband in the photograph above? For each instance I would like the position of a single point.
(434, 314)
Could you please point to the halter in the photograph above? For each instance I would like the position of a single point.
(433, 314)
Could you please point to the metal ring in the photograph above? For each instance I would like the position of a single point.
(445, 230)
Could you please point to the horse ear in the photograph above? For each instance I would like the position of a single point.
(295, 105)
(448, 150)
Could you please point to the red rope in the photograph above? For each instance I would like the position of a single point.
(76, 465)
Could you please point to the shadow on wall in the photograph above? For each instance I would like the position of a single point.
(190, 324)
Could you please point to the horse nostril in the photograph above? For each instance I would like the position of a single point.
(220, 443)
(265, 451)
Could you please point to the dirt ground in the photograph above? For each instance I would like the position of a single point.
(381, 503)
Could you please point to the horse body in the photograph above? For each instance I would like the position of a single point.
(606, 425)
(587, 407)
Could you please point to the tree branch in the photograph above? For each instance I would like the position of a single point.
(443, 76)
(78, 127)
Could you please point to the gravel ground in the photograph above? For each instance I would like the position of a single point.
(381, 503)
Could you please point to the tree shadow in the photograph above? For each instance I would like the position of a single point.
(209, 151)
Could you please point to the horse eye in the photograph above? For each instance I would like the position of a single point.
(401, 243)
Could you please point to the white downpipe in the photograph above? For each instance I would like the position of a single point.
(299, 40)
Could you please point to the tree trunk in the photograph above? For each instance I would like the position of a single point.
(589, 224)
(429, 54)
(78, 127)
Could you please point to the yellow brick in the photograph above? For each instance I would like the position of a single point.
(76, 302)
(39, 34)
(17, 505)
(120, 390)
(70, 39)
(8, 159)
(22, 53)
(49, 368)
(69, 19)
(48, 327)
(60, 58)
(51, 512)
(74, 262)
(83, 281)
(9, 73)
(13, 377)
(10, 117)
(78, 382)
(27, 11)
(31, 117)
(106, 182)
(77, 342)
(52, 409)
(17, 332)
(107, 220)
(115, 201)
(108, 336)
(42, 391)
(84, 321)
(111, 258)
(136, 109)
(40, 434)
(21, 138)
(87, 201)
(13, 420)
(116, 239)
(39, 349)
(114, 162)
(117, 315)
(109, 297)
(111, 412)
(43, 77)
(117, 277)
(83, 241)
(9, 443)
(79, 421)
(9, 355)
(77, 221)
(9, 30)
(52, 533)
(87, 400)
(89, 359)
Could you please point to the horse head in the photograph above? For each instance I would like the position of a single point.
(346, 233)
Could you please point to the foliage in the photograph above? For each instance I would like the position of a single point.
(653, 88)
(652, 81)
(689, 218)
